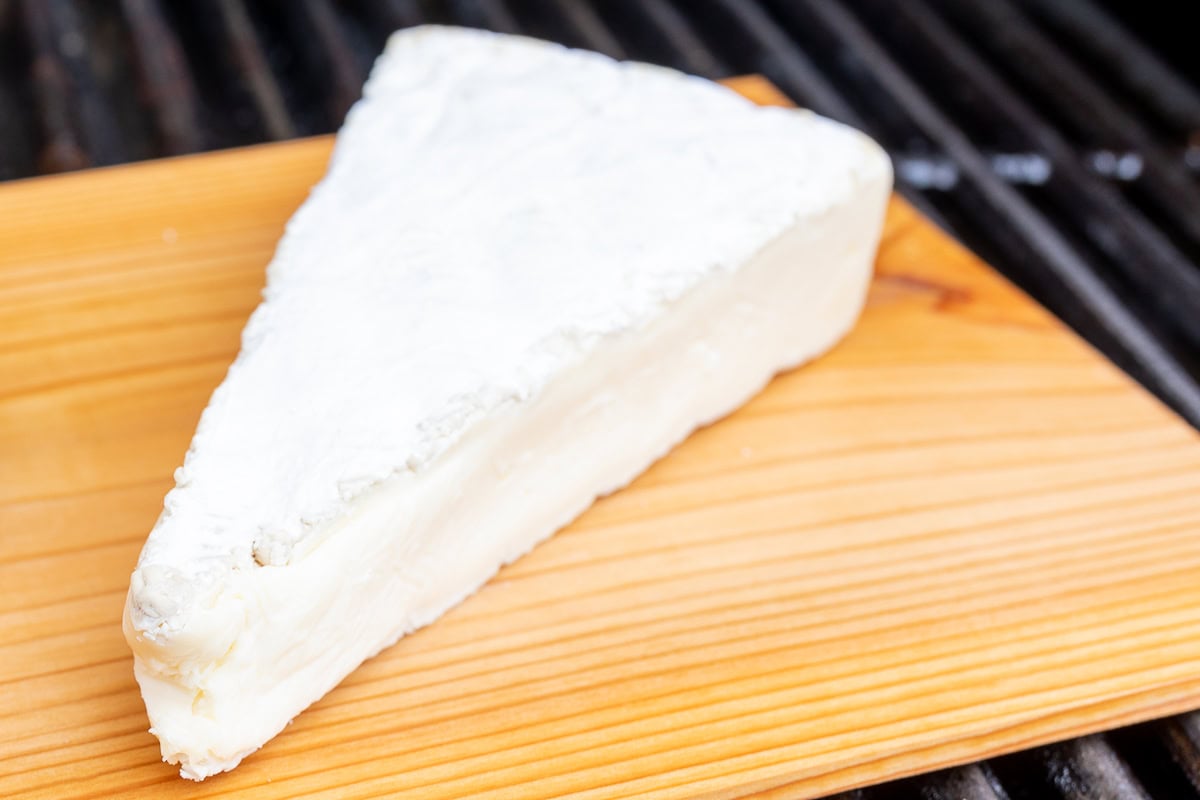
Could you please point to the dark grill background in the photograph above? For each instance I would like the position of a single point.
(1060, 139)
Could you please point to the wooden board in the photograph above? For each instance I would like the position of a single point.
(960, 533)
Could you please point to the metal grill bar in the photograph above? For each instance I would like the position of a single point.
(333, 57)
(1117, 228)
(972, 782)
(61, 146)
(1089, 769)
(679, 37)
(1007, 206)
(96, 120)
(252, 65)
(1092, 111)
(17, 137)
(166, 80)
(1182, 739)
(776, 57)
(14, 161)
(589, 27)
(1144, 751)
(490, 14)
(388, 15)
(1137, 67)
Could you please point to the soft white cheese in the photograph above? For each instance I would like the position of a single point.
(529, 273)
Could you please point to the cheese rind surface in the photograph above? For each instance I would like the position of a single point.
(528, 273)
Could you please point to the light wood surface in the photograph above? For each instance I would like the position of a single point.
(960, 533)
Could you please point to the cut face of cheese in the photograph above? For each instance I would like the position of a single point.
(528, 274)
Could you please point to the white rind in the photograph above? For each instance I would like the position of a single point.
(529, 273)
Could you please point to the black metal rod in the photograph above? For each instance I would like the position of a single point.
(1181, 735)
(17, 128)
(77, 128)
(1147, 258)
(583, 20)
(166, 80)
(404, 13)
(98, 122)
(1093, 111)
(394, 14)
(61, 145)
(786, 65)
(494, 15)
(248, 55)
(341, 70)
(691, 54)
(972, 782)
(16, 154)
(1134, 64)
(1009, 208)
(498, 16)
(1089, 769)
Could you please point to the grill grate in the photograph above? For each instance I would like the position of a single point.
(1058, 138)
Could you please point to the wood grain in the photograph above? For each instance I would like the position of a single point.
(960, 533)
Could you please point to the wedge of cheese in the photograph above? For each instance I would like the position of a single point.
(528, 274)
